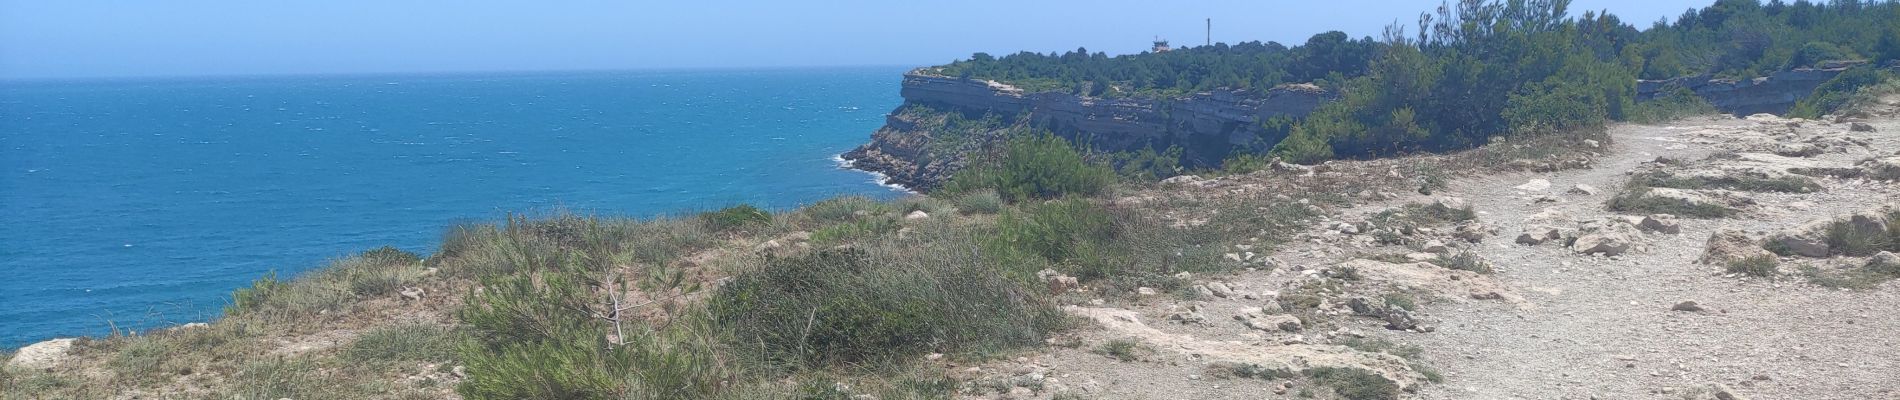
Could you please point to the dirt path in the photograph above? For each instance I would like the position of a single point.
(1604, 326)
(1548, 323)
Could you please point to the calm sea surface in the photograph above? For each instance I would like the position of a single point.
(140, 203)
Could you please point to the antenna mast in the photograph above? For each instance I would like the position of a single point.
(1210, 31)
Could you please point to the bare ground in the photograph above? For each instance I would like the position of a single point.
(1550, 323)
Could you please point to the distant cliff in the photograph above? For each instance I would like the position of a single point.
(1205, 125)
(1773, 94)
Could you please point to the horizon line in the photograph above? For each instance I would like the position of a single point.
(266, 75)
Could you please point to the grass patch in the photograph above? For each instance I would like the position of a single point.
(1758, 266)
(1354, 384)
(980, 202)
(1786, 184)
(407, 342)
(377, 272)
(1636, 199)
(739, 217)
(852, 306)
(1124, 350)
(1868, 276)
(1859, 239)
(1464, 261)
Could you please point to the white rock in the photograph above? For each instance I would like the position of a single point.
(1583, 189)
(918, 214)
(41, 355)
(1534, 185)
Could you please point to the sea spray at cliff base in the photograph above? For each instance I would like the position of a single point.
(143, 203)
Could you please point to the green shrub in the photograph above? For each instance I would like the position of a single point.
(739, 217)
(1680, 102)
(246, 299)
(1814, 53)
(1835, 93)
(1040, 166)
(1245, 163)
(1354, 384)
(857, 307)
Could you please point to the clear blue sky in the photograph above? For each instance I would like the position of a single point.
(105, 38)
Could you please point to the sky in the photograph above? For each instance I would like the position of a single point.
(124, 38)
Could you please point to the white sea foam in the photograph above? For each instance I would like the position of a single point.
(876, 177)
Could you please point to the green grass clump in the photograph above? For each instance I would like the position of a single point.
(1039, 166)
(876, 306)
(1635, 199)
(374, 273)
(1464, 261)
(1850, 239)
(1354, 384)
(980, 202)
(743, 216)
(860, 228)
(1060, 231)
(406, 342)
(1124, 350)
(1760, 266)
(1413, 216)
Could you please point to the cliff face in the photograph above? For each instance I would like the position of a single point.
(1205, 125)
(1773, 94)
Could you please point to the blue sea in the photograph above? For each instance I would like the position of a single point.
(144, 203)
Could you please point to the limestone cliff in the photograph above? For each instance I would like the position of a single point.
(1205, 125)
(1773, 94)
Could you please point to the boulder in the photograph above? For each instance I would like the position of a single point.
(1730, 245)
(1435, 247)
(1220, 289)
(1257, 318)
(1807, 240)
(918, 214)
(1884, 259)
(42, 355)
(1583, 190)
(411, 293)
(1860, 127)
(1605, 243)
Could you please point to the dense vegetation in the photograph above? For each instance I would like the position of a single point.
(1476, 69)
